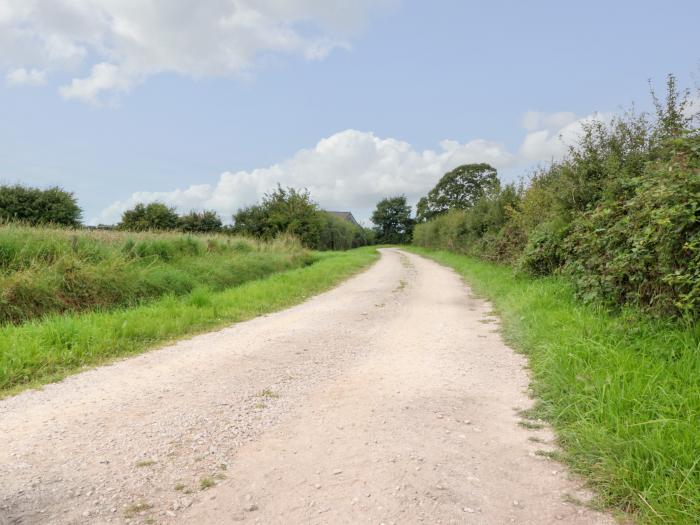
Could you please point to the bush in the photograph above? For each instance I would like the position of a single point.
(287, 211)
(543, 254)
(620, 214)
(34, 206)
(206, 221)
(645, 250)
(155, 216)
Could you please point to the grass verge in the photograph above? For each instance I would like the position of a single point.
(46, 350)
(621, 390)
(50, 270)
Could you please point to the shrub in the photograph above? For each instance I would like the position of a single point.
(544, 254)
(206, 221)
(287, 211)
(155, 216)
(645, 250)
(620, 214)
(35, 206)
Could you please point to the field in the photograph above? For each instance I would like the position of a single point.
(622, 390)
(72, 298)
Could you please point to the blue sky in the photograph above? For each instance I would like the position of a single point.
(137, 100)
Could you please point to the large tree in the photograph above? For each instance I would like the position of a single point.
(460, 188)
(392, 220)
(153, 216)
(35, 206)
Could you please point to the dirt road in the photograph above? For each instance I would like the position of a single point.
(391, 399)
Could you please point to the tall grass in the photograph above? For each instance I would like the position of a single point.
(45, 350)
(49, 270)
(622, 390)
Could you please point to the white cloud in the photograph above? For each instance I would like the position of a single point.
(349, 170)
(23, 77)
(355, 169)
(692, 110)
(122, 42)
(550, 134)
(103, 78)
(533, 120)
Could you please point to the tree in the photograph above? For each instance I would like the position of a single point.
(249, 221)
(35, 206)
(460, 188)
(393, 221)
(285, 210)
(153, 216)
(206, 221)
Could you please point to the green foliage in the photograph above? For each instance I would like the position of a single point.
(47, 349)
(285, 210)
(459, 189)
(339, 234)
(619, 214)
(486, 229)
(645, 249)
(206, 221)
(392, 220)
(543, 253)
(622, 390)
(44, 270)
(155, 216)
(34, 206)
(290, 211)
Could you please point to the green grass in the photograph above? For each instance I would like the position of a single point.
(622, 390)
(46, 350)
(51, 270)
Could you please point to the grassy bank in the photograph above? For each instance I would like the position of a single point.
(41, 351)
(622, 390)
(49, 270)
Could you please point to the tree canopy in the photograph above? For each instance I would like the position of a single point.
(36, 206)
(153, 216)
(392, 220)
(206, 221)
(460, 188)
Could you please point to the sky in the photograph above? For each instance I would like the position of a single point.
(209, 104)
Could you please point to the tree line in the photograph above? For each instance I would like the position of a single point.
(282, 211)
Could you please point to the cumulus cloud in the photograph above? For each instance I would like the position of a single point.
(348, 170)
(122, 42)
(692, 110)
(550, 134)
(355, 169)
(23, 77)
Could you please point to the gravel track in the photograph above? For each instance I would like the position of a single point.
(390, 399)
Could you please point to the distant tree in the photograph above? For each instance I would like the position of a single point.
(460, 188)
(35, 206)
(285, 210)
(206, 221)
(153, 216)
(392, 220)
(250, 221)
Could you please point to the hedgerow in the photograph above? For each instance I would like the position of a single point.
(619, 215)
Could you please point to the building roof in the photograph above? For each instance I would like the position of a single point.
(346, 216)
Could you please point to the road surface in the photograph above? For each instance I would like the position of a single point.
(390, 399)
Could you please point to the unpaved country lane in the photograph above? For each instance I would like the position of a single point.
(390, 399)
